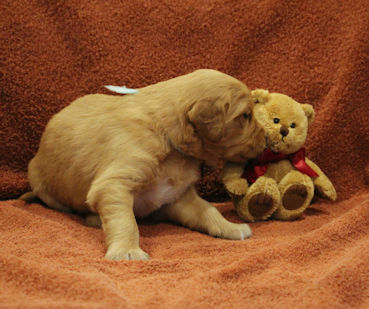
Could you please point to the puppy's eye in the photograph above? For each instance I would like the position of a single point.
(246, 116)
(276, 120)
(293, 125)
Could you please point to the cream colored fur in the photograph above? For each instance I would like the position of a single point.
(123, 157)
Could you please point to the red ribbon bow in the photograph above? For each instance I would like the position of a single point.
(259, 166)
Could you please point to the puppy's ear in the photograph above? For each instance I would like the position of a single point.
(260, 96)
(309, 112)
(208, 118)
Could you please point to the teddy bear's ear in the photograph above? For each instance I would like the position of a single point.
(309, 112)
(260, 96)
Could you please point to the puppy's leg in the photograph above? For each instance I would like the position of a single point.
(114, 204)
(197, 214)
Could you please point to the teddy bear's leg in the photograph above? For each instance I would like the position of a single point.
(261, 200)
(297, 191)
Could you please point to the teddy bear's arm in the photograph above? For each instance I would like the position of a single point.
(232, 179)
(322, 183)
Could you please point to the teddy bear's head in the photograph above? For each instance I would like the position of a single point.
(284, 120)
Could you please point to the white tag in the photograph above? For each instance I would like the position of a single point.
(121, 89)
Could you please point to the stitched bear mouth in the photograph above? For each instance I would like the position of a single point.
(273, 146)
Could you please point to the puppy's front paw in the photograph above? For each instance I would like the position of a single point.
(117, 254)
(240, 232)
(235, 231)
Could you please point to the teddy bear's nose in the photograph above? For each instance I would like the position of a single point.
(284, 131)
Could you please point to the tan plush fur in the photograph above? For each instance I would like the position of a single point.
(282, 191)
(127, 156)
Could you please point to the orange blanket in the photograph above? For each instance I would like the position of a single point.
(52, 52)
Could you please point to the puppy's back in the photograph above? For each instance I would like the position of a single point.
(82, 140)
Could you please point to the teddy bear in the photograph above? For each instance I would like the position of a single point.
(281, 182)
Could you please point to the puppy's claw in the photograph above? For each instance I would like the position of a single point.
(132, 254)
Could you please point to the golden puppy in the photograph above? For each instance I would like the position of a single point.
(126, 156)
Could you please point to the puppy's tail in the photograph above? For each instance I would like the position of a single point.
(28, 197)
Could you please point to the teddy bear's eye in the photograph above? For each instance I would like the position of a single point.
(276, 120)
(293, 125)
(246, 116)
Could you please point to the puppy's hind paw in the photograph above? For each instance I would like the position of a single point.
(116, 254)
(93, 221)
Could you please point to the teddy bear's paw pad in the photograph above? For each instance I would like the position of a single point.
(260, 204)
(294, 197)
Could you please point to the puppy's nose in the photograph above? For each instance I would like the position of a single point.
(284, 131)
